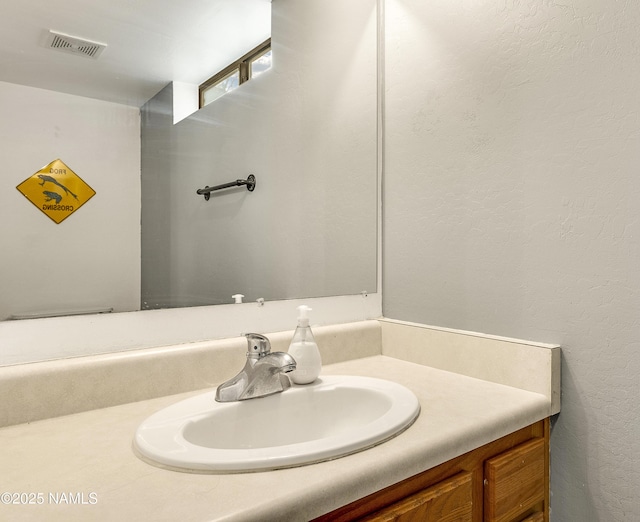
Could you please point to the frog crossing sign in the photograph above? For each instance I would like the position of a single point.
(56, 190)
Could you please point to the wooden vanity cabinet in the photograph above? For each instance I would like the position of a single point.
(514, 482)
(506, 480)
(450, 500)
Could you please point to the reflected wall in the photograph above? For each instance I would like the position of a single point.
(307, 130)
(92, 259)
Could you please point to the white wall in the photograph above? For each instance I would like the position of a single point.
(92, 258)
(512, 208)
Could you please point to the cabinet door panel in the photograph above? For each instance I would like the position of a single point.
(514, 481)
(448, 501)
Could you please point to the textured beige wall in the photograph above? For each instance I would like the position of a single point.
(511, 207)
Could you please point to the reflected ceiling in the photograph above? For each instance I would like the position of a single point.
(149, 43)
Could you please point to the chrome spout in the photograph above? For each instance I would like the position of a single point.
(263, 373)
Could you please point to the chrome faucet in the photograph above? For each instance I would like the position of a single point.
(263, 373)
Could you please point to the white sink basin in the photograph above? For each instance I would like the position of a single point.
(333, 417)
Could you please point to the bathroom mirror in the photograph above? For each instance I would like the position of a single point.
(307, 130)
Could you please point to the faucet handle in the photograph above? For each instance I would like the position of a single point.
(257, 345)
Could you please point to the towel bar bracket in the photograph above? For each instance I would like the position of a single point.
(250, 183)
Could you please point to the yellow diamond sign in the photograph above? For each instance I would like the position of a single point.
(56, 190)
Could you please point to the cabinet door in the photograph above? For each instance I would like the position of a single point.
(514, 482)
(448, 501)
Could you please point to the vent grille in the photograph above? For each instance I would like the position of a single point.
(73, 45)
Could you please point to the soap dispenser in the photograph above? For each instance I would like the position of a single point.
(304, 350)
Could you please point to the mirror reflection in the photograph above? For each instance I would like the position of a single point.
(126, 123)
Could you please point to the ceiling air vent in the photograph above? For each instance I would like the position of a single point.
(71, 44)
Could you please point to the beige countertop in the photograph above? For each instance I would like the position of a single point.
(85, 462)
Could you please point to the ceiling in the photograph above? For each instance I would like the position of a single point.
(149, 43)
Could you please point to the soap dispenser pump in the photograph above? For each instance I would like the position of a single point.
(304, 350)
